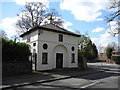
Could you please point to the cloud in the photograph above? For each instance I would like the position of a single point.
(106, 35)
(103, 39)
(8, 25)
(85, 10)
(112, 23)
(66, 25)
(99, 19)
(101, 43)
(22, 2)
(98, 30)
(94, 39)
(113, 28)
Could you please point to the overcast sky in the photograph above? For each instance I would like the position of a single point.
(83, 15)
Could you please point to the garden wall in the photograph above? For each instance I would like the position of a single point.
(16, 68)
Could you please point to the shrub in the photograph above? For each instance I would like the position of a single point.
(116, 59)
(14, 51)
(109, 52)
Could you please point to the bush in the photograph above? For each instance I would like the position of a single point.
(88, 55)
(116, 59)
(14, 51)
(109, 52)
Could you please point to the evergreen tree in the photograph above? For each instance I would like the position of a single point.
(89, 50)
(109, 52)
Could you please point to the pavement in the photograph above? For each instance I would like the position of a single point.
(44, 76)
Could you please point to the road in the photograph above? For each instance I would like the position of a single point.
(103, 65)
(100, 80)
(106, 79)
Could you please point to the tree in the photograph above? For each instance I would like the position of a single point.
(36, 14)
(15, 38)
(53, 18)
(3, 34)
(114, 17)
(87, 48)
(91, 50)
(95, 51)
(83, 41)
(109, 52)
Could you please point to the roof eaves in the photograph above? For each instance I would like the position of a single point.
(40, 27)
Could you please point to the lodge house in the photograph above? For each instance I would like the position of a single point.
(52, 47)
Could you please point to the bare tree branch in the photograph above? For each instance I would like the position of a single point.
(34, 14)
(115, 4)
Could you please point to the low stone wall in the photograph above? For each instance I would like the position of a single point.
(15, 68)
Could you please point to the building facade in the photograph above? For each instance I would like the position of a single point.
(52, 47)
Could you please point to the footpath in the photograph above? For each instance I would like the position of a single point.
(44, 76)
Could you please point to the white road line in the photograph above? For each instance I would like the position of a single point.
(90, 84)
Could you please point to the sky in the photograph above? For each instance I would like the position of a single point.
(85, 16)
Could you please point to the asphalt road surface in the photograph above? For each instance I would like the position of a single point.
(103, 65)
(107, 79)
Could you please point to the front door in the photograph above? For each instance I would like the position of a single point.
(59, 60)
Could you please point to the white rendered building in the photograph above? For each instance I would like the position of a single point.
(52, 47)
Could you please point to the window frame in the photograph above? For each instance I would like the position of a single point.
(28, 38)
(44, 56)
(34, 44)
(73, 48)
(73, 58)
(60, 38)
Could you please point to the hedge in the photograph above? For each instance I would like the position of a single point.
(14, 51)
(116, 59)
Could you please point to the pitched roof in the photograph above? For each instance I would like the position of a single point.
(51, 27)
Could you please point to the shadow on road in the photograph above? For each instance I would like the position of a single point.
(95, 76)
(89, 74)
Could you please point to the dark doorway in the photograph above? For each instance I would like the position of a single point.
(34, 60)
(59, 60)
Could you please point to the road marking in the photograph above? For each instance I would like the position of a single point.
(90, 84)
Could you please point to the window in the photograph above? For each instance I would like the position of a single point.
(34, 44)
(44, 58)
(45, 46)
(72, 48)
(60, 38)
(28, 38)
(73, 58)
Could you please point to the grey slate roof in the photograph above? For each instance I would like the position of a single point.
(51, 27)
